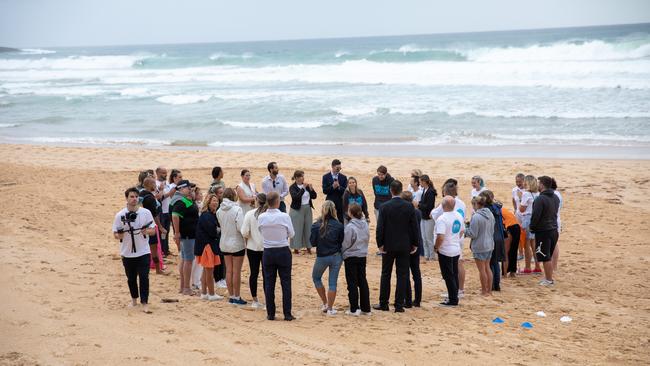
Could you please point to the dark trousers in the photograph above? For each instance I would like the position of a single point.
(254, 261)
(339, 209)
(165, 221)
(277, 261)
(134, 268)
(449, 269)
(496, 272)
(283, 206)
(401, 260)
(514, 232)
(219, 271)
(414, 266)
(358, 291)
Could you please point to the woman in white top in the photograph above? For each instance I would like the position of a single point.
(526, 199)
(556, 251)
(254, 246)
(232, 245)
(415, 173)
(246, 192)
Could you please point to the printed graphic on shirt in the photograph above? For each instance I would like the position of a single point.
(462, 213)
(382, 190)
(455, 228)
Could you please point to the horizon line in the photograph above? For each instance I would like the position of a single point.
(333, 38)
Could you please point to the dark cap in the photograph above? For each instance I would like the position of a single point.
(184, 183)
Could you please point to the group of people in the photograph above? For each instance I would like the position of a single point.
(214, 232)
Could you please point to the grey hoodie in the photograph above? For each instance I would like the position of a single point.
(355, 241)
(481, 230)
(231, 218)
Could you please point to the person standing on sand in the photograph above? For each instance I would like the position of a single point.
(397, 238)
(481, 231)
(254, 246)
(334, 184)
(426, 205)
(354, 195)
(449, 234)
(246, 192)
(232, 245)
(131, 227)
(556, 252)
(275, 182)
(519, 187)
(543, 223)
(511, 241)
(276, 229)
(414, 261)
(301, 205)
(150, 203)
(165, 218)
(354, 251)
(381, 187)
(327, 236)
(526, 199)
(217, 180)
(478, 186)
(185, 215)
(206, 248)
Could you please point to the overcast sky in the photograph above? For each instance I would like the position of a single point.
(40, 23)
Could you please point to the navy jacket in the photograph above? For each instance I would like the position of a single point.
(330, 243)
(334, 194)
(207, 233)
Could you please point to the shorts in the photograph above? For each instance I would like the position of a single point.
(545, 242)
(483, 256)
(240, 253)
(187, 249)
(529, 234)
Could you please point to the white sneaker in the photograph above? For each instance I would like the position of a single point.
(222, 284)
(546, 282)
(257, 305)
(331, 312)
(204, 296)
(356, 313)
(366, 314)
(461, 294)
(214, 297)
(323, 308)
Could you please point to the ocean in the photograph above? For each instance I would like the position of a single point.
(572, 92)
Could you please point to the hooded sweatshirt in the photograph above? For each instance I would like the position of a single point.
(481, 230)
(355, 239)
(545, 208)
(382, 189)
(231, 218)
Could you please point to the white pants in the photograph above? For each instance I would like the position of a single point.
(428, 239)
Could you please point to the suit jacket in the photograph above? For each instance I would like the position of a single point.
(334, 194)
(427, 203)
(296, 196)
(397, 226)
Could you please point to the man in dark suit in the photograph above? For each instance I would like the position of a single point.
(397, 237)
(334, 185)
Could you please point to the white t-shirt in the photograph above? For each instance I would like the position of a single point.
(475, 193)
(305, 196)
(141, 240)
(515, 195)
(527, 200)
(458, 207)
(249, 192)
(559, 222)
(450, 224)
(417, 195)
(167, 200)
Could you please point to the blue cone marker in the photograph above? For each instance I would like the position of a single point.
(497, 320)
(526, 325)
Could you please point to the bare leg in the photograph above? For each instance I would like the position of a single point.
(182, 279)
(488, 275)
(461, 275)
(321, 293)
(237, 263)
(204, 282)
(331, 296)
(209, 279)
(548, 270)
(555, 257)
(531, 242)
(229, 271)
(528, 255)
(187, 273)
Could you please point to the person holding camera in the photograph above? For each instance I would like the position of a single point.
(185, 215)
(132, 227)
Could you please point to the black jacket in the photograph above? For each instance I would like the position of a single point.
(427, 203)
(397, 227)
(544, 216)
(207, 233)
(296, 196)
(330, 243)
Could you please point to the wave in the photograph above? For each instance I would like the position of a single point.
(97, 141)
(182, 99)
(72, 63)
(414, 53)
(9, 125)
(283, 125)
(35, 51)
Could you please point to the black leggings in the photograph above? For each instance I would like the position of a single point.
(220, 270)
(134, 268)
(514, 232)
(254, 261)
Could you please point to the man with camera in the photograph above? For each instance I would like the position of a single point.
(132, 227)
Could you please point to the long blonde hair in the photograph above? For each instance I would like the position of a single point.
(205, 206)
(328, 211)
(530, 183)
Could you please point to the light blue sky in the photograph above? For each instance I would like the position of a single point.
(34, 23)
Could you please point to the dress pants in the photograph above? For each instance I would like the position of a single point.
(449, 269)
(401, 260)
(414, 267)
(277, 261)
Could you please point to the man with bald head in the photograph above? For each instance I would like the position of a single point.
(449, 235)
(150, 203)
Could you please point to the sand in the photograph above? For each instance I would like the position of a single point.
(64, 293)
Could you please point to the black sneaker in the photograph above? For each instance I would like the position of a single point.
(269, 317)
(447, 304)
(399, 310)
(380, 307)
(289, 318)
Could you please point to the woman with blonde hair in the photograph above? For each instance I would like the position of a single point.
(232, 245)
(526, 199)
(327, 236)
(206, 248)
(254, 246)
(481, 231)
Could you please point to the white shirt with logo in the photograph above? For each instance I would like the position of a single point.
(450, 224)
(141, 240)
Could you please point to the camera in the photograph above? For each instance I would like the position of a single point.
(129, 217)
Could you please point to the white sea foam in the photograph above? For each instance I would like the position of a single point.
(182, 99)
(71, 63)
(9, 125)
(97, 141)
(135, 92)
(284, 125)
(341, 53)
(36, 51)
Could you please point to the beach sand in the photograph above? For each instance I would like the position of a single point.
(64, 290)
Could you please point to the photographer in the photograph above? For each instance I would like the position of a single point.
(132, 226)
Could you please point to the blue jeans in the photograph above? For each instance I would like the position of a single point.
(333, 262)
